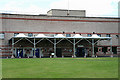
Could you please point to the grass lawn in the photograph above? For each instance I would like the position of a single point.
(60, 68)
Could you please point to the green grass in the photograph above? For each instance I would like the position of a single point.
(60, 68)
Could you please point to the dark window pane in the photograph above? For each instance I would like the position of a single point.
(99, 35)
(15, 34)
(68, 35)
(30, 35)
(107, 35)
(89, 35)
(114, 50)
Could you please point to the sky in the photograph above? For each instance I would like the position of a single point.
(94, 8)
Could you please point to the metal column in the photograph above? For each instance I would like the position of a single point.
(34, 48)
(12, 48)
(74, 47)
(55, 47)
(40, 52)
(111, 47)
(93, 54)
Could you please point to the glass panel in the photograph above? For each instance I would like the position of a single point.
(30, 35)
(2, 35)
(99, 35)
(89, 35)
(107, 35)
(68, 35)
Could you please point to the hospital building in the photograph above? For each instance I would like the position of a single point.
(59, 33)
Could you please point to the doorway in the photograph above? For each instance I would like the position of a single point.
(59, 52)
(37, 53)
(19, 53)
(80, 52)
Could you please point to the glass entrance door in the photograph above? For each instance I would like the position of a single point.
(19, 53)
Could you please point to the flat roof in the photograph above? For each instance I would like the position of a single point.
(58, 16)
(65, 10)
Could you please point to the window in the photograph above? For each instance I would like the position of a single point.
(89, 35)
(99, 35)
(104, 49)
(68, 35)
(15, 34)
(114, 50)
(107, 35)
(30, 34)
(117, 36)
(2, 35)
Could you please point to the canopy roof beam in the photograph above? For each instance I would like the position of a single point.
(69, 41)
(78, 41)
(88, 41)
(29, 40)
(17, 41)
(59, 40)
(39, 41)
(50, 40)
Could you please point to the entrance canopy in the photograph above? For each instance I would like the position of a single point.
(20, 35)
(94, 36)
(41, 36)
(59, 37)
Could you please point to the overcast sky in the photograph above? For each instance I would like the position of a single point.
(94, 8)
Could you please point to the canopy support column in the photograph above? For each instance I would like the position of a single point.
(34, 48)
(111, 47)
(55, 47)
(12, 48)
(93, 53)
(74, 47)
